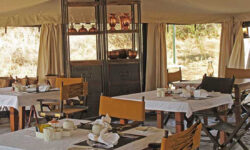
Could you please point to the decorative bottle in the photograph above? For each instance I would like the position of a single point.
(210, 69)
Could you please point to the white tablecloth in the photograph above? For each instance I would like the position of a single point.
(193, 83)
(16, 99)
(26, 140)
(174, 104)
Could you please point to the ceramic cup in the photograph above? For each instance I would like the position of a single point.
(17, 89)
(68, 124)
(48, 134)
(158, 92)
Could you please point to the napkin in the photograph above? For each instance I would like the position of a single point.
(104, 121)
(108, 138)
(44, 88)
(201, 93)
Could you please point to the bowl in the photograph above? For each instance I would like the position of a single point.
(132, 54)
(123, 53)
(113, 54)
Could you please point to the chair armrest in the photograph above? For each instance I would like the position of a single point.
(50, 114)
(48, 100)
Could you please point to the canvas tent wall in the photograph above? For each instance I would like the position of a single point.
(30, 12)
(227, 12)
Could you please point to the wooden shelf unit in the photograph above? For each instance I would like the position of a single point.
(111, 77)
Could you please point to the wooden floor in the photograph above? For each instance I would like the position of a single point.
(151, 121)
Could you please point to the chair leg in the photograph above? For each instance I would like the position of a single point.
(167, 118)
(32, 112)
(242, 145)
(213, 139)
(217, 138)
(205, 119)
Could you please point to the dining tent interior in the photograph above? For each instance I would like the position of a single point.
(147, 72)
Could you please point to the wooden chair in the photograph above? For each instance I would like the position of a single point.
(56, 82)
(223, 85)
(173, 76)
(185, 140)
(170, 78)
(23, 81)
(240, 74)
(51, 80)
(237, 73)
(234, 132)
(32, 80)
(122, 109)
(66, 92)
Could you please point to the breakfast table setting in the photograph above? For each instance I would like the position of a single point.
(240, 84)
(18, 97)
(69, 134)
(182, 102)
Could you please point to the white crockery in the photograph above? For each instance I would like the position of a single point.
(68, 124)
(48, 134)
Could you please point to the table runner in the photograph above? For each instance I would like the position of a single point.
(171, 104)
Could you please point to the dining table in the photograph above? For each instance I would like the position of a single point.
(181, 106)
(26, 139)
(17, 101)
(239, 86)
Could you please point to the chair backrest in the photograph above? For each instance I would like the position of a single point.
(185, 140)
(173, 76)
(23, 81)
(123, 109)
(32, 80)
(237, 73)
(4, 82)
(223, 85)
(71, 90)
(67, 81)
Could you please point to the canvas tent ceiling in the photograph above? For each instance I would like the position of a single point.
(30, 12)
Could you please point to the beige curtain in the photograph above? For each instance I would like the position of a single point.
(237, 58)
(226, 45)
(50, 58)
(156, 57)
(248, 61)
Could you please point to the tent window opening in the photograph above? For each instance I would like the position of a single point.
(246, 33)
(19, 48)
(192, 47)
(83, 47)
